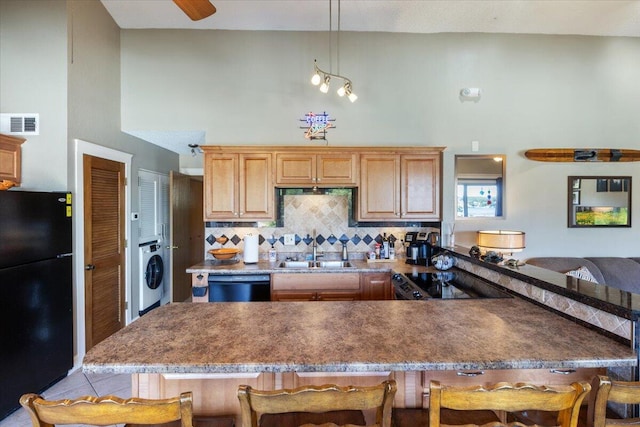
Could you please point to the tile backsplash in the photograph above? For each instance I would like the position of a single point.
(326, 214)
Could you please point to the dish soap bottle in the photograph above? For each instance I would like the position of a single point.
(273, 255)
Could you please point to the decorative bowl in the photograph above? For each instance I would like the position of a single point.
(224, 253)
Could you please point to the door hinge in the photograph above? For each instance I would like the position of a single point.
(126, 305)
(126, 243)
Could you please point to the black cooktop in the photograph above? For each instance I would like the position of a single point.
(451, 284)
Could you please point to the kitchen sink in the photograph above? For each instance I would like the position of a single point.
(334, 264)
(317, 264)
(297, 264)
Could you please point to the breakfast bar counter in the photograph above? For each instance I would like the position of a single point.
(352, 336)
(211, 348)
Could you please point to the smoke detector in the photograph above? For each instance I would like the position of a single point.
(20, 123)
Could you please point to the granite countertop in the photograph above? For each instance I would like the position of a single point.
(265, 267)
(360, 336)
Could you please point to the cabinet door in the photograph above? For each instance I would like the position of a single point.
(337, 169)
(292, 168)
(380, 187)
(420, 187)
(220, 186)
(376, 286)
(10, 158)
(255, 187)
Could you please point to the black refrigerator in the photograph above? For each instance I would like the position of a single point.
(36, 317)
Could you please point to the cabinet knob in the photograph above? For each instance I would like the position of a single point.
(89, 267)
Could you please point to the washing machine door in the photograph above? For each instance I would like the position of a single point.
(154, 272)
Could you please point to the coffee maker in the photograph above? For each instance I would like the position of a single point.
(412, 250)
(424, 248)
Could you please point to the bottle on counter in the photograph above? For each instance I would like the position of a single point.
(273, 255)
(384, 251)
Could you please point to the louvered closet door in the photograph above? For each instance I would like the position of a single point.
(104, 211)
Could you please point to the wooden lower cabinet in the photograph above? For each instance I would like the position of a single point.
(376, 286)
(315, 287)
(331, 286)
(216, 394)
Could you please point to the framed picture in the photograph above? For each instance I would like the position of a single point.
(576, 184)
(601, 201)
(615, 184)
(602, 185)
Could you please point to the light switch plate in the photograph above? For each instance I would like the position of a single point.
(289, 239)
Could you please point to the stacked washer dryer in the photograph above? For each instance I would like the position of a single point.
(153, 189)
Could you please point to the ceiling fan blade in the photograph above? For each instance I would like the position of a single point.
(196, 9)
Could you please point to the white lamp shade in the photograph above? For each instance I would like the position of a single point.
(501, 240)
(315, 80)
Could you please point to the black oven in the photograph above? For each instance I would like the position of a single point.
(450, 284)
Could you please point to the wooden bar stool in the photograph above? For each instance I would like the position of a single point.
(605, 391)
(506, 398)
(109, 410)
(327, 405)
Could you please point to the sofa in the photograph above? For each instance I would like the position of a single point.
(617, 272)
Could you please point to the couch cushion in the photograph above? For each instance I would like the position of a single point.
(564, 264)
(621, 273)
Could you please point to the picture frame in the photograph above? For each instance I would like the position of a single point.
(576, 184)
(615, 184)
(576, 197)
(602, 185)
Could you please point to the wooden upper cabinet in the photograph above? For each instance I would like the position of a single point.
(379, 187)
(420, 187)
(11, 158)
(400, 187)
(316, 169)
(238, 186)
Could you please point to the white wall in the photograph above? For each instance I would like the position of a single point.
(33, 79)
(537, 91)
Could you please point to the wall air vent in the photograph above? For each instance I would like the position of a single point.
(20, 124)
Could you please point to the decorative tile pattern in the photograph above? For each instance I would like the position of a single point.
(326, 214)
(607, 321)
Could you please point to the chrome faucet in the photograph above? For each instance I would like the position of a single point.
(314, 248)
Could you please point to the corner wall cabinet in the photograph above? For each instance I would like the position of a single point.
(237, 186)
(400, 187)
(11, 158)
(316, 169)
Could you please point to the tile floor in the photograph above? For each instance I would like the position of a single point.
(75, 385)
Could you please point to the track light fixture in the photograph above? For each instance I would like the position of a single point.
(324, 77)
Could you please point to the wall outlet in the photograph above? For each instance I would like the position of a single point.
(289, 239)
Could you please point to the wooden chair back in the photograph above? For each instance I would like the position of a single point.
(317, 399)
(605, 390)
(108, 410)
(507, 397)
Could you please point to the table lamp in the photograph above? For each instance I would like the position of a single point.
(501, 241)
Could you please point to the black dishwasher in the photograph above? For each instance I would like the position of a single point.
(239, 287)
